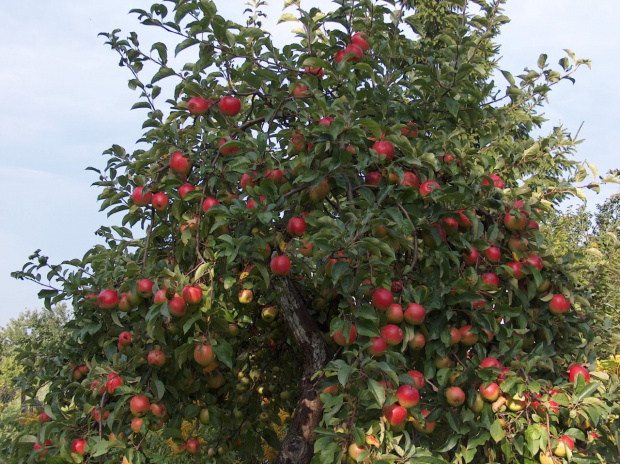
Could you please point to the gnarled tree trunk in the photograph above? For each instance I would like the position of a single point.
(298, 446)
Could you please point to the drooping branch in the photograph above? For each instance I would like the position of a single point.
(298, 446)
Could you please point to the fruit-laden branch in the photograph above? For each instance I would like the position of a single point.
(298, 446)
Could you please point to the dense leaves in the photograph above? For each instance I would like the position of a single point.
(407, 163)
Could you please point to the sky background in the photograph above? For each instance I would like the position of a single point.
(65, 100)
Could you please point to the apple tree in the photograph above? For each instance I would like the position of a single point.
(331, 250)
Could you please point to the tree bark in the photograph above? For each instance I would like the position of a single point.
(298, 446)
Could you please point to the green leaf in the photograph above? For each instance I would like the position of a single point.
(162, 74)
(452, 105)
(377, 391)
(497, 431)
(224, 352)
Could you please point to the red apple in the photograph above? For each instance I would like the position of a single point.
(160, 297)
(395, 313)
(78, 446)
(296, 226)
(418, 379)
(394, 414)
(408, 396)
(355, 51)
(455, 396)
(227, 150)
(145, 288)
(428, 427)
(326, 121)
(204, 355)
(230, 106)
(559, 304)
(515, 223)
(490, 392)
(428, 186)
(136, 424)
(576, 370)
(198, 105)
(415, 314)
(107, 299)
(158, 410)
(373, 178)
(490, 278)
(192, 446)
(359, 40)
(141, 196)
(517, 271)
(300, 91)
(468, 338)
(160, 201)
(377, 346)
(247, 180)
(392, 333)
(177, 306)
(156, 358)
(490, 362)
(318, 72)
(565, 443)
(410, 131)
(382, 299)
(208, 203)
(340, 339)
(493, 254)
(114, 381)
(471, 257)
(280, 265)
(139, 405)
(410, 180)
(417, 342)
(535, 261)
(384, 149)
(179, 163)
(124, 338)
(192, 294)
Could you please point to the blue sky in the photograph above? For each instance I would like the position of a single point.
(64, 101)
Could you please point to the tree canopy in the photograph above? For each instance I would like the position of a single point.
(330, 252)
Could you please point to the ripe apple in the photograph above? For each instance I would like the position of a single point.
(417, 342)
(318, 72)
(428, 186)
(107, 299)
(43, 417)
(317, 194)
(490, 362)
(145, 288)
(377, 346)
(490, 392)
(198, 105)
(410, 131)
(139, 405)
(497, 181)
(280, 265)
(491, 279)
(355, 53)
(114, 381)
(408, 396)
(37, 446)
(576, 370)
(158, 410)
(160, 297)
(394, 414)
(419, 381)
(208, 203)
(517, 271)
(559, 304)
(359, 40)
(428, 427)
(296, 226)
(160, 201)
(141, 196)
(300, 91)
(306, 249)
(136, 424)
(471, 257)
(515, 223)
(535, 261)
(414, 314)
(78, 446)
(124, 338)
(230, 106)
(468, 338)
(464, 222)
(372, 178)
(177, 306)
(180, 163)
(192, 446)
(546, 458)
(455, 336)
(227, 150)
(192, 294)
(340, 339)
(452, 225)
(516, 403)
(392, 333)
(384, 149)
(395, 313)
(455, 396)
(203, 355)
(517, 243)
(247, 180)
(493, 254)
(410, 180)
(156, 358)
(382, 299)
(276, 175)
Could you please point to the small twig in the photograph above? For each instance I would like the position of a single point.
(297, 189)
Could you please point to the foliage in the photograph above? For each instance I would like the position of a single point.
(313, 141)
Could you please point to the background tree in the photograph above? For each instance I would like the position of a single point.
(341, 244)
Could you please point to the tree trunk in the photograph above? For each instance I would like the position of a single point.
(298, 446)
